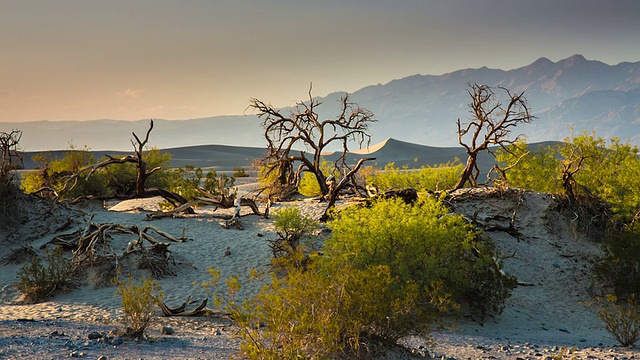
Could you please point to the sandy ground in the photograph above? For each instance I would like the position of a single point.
(543, 319)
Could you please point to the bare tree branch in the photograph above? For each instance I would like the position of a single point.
(490, 125)
(303, 127)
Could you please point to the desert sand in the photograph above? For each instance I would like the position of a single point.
(543, 318)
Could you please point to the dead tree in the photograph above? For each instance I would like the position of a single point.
(143, 173)
(490, 125)
(9, 148)
(303, 127)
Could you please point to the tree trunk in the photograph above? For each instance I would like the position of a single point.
(467, 173)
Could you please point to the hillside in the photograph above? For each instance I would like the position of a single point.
(574, 92)
(225, 158)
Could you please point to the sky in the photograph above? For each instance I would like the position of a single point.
(184, 59)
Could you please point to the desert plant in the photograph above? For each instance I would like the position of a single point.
(330, 310)
(10, 160)
(308, 185)
(531, 169)
(619, 267)
(490, 124)
(54, 172)
(239, 172)
(139, 300)
(10, 194)
(423, 243)
(293, 229)
(622, 320)
(38, 280)
(439, 177)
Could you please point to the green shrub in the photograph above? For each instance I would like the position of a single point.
(37, 281)
(539, 170)
(309, 186)
(424, 243)
(622, 320)
(186, 180)
(139, 300)
(607, 171)
(294, 231)
(239, 172)
(387, 272)
(619, 268)
(332, 310)
(439, 177)
(121, 178)
(11, 211)
(54, 172)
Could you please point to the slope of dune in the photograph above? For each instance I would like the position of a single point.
(550, 258)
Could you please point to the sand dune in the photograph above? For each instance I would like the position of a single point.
(541, 318)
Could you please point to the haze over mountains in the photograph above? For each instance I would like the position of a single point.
(422, 109)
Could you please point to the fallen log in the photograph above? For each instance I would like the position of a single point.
(200, 310)
(225, 203)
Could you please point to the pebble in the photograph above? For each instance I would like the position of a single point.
(94, 335)
(167, 330)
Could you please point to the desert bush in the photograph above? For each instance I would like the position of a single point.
(609, 171)
(10, 160)
(11, 211)
(386, 272)
(622, 320)
(619, 267)
(239, 172)
(54, 172)
(424, 243)
(531, 169)
(439, 177)
(38, 280)
(294, 230)
(271, 180)
(309, 186)
(139, 300)
(121, 178)
(330, 310)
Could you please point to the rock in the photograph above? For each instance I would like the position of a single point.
(103, 358)
(167, 330)
(117, 341)
(95, 335)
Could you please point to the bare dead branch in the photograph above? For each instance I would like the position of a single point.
(490, 125)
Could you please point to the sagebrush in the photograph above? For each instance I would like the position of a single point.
(40, 279)
(139, 301)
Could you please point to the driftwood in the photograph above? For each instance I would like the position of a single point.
(200, 310)
(86, 243)
(217, 202)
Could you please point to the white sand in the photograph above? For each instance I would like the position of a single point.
(538, 319)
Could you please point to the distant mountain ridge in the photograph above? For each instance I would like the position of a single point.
(227, 158)
(573, 94)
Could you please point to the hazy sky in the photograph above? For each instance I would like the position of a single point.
(179, 59)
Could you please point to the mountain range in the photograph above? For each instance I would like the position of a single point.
(569, 96)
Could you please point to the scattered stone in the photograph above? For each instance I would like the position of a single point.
(95, 335)
(103, 358)
(167, 330)
(117, 341)
(76, 354)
